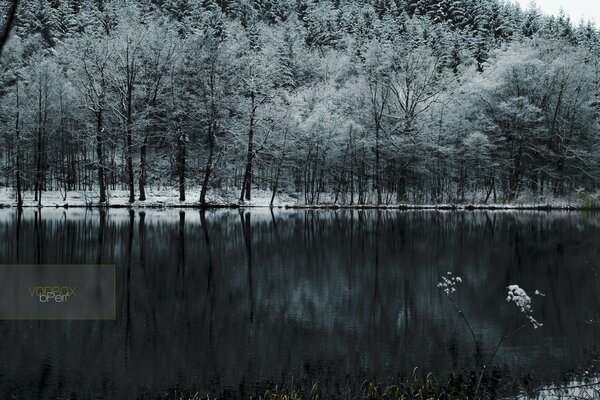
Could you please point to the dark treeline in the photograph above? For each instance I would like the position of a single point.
(377, 101)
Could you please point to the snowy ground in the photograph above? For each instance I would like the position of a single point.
(260, 198)
(154, 198)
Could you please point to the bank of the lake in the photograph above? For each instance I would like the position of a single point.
(262, 198)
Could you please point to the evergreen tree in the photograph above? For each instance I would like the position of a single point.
(531, 22)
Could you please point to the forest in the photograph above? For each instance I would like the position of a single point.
(335, 101)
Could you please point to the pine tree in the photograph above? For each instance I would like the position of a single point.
(496, 24)
(178, 9)
(440, 11)
(286, 71)
(253, 35)
(531, 23)
(38, 18)
(212, 21)
(565, 27)
(66, 24)
(321, 25)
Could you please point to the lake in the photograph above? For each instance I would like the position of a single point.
(226, 302)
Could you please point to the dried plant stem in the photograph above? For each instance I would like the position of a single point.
(489, 361)
(462, 315)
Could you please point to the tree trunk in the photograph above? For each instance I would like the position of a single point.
(377, 165)
(18, 140)
(142, 180)
(181, 161)
(208, 169)
(100, 154)
(129, 87)
(38, 168)
(18, 177)
(402, 185)
(129, 150)
(247, 183)
(278, 171)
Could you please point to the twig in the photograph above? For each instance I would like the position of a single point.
(462, 315)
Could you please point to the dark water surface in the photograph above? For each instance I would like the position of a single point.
(224, 302)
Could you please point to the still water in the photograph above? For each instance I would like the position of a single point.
(225, 302)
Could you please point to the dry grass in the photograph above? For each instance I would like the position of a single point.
(414, 388)
(496, 385)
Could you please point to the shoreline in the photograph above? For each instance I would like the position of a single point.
(227, 199)
(399, 207)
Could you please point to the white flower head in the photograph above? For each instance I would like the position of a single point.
(448, 284)
(519, 297)
(523, 302)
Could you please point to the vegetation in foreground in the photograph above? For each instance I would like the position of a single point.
(485, 381)
(497, 385)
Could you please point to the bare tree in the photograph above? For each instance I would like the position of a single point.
(158, 55)
(94, 85)
(127, 65)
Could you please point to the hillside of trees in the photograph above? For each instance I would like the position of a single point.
(353, 101)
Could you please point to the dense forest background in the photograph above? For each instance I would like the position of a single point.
(347, 101)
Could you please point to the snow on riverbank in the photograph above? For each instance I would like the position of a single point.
(154, 198)
(260, 198)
